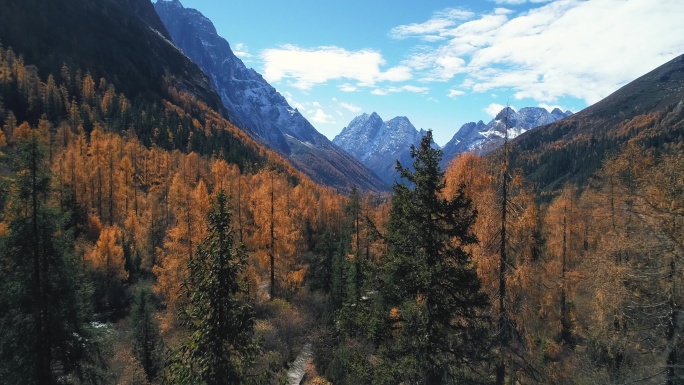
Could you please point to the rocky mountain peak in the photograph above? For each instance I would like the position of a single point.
(482, 138)
(506, 112)
(378, 144)
(402, 123)
(175, 3)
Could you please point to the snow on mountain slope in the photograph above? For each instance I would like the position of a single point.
(482, 138)
(378, 144)
(256, 107)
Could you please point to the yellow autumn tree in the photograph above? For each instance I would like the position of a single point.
(518, 233)
(189, 208)
(628, 300)
(274, 237)
(107, 256)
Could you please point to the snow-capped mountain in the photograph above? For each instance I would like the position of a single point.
(378, 144)
(482, 138)
(256, 107)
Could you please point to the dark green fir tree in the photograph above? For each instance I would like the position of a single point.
(146, 338)
(43, 333)
(221, 346)
(438, 328)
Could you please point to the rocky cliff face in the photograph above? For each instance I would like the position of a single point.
(378, 144)
(256, 107)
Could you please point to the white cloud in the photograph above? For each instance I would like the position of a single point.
(493, 109)
(396, 74)
(518, 2)
(406, 88)
(409, 88)
(454, 14)
(240, 50)
(316, 104)
(310, 67)
(510, 2)
(502, 11)
(551, 107)
(448, 66)
(346, 87)
(430, 27)
(584, 49)
(321, 117)
(454, 93)
(351, 107)
(433, 28)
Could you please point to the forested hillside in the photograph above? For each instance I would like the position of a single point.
(647, 110)
(122, 40)
(120, 191)
(144, 239)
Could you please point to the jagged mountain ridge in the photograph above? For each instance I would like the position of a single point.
(255, 106)
(378, 144)
(482, 138)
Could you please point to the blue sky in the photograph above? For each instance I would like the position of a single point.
(445, 63)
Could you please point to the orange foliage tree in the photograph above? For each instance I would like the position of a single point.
(107, 255)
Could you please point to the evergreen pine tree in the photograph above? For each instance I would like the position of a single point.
(221, 346)
(42, 311)
(431, 287)
(146, 339)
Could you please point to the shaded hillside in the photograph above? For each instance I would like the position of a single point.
(123, 40)
(121, 49)
(649, 110)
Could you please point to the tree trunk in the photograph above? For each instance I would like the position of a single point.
(565, 321)
(504, 334)
(40, 312)
(672, 327)
(272, 246)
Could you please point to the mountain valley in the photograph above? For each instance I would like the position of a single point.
(167, 217)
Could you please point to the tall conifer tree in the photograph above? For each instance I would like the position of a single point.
(221, 346)
(43, 335)
(439, 331)
(146, 336)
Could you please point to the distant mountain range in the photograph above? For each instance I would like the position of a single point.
(378, 144)
(256, 107)
(482, 138)
(127, 42)
(363, 154)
